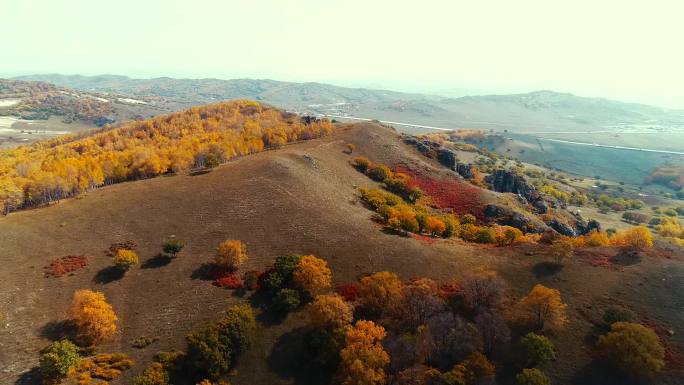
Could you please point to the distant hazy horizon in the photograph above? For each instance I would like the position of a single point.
(612, 49)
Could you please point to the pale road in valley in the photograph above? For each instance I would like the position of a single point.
(547, 139)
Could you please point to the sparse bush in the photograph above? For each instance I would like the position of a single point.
(380, 172)
(103, 367)
(57, 358)
(539, 350)
(596, 239)
(377, 198)
(468, 219)
(143, 342)
(173, 247)
(633, 348)
(532, 376)
(93, 316)
(231, 254)
(155, 374)
(561, 249)
(125, 259)
(507, 235)
(362, 163)
(616, 313)
(350, 148)
(434, 226)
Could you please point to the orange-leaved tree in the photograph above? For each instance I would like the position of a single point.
(93, 316)
(312, 275)
(380, 292)
(543, 306)
(363, 359)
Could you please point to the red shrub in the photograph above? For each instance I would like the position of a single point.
(349, 292)
(461, 197)
(231, 281)
(64, 265)
(673, 357)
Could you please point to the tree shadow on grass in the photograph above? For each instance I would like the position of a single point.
(290, 358)
(626, 257)
(159, 260)
(268, 315)
(59, 330)
(31, 377)
(545, 269)
(601, 373)
(108, 274)
(205, 272)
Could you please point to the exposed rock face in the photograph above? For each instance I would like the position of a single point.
(510, 182)
(464, 170)
(562, 228)
(584, 227)
(447, 157)
(509, 217)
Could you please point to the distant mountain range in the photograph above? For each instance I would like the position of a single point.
(530, 112)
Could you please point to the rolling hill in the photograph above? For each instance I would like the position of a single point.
(535, 111)
(300, 198)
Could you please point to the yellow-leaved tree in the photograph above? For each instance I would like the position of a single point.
(363, 358)
(544, 307)
(231, 254)
(93, 316)
(312, 275)
(380, 292)
(329, 311)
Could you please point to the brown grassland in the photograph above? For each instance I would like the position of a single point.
(302, 198)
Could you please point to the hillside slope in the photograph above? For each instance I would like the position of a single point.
(302, 198)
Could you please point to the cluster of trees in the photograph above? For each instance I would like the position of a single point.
(634, 217)
(607, 202)
(418, 332)
(415, 218)
(637, 237)
(201, 136)
(671, 228)
(396, 182)
(70, 107)
(95, 322)
(295, 280)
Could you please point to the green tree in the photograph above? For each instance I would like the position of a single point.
(173, 247)
(57, 358)
(532, 376)
(538, 349)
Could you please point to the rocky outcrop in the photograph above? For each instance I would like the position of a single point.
(464, 170)
(506, 216)
(509, 182)
(584, 227)
(447, 157)
(562, 228)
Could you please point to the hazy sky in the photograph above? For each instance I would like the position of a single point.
(628, 49)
